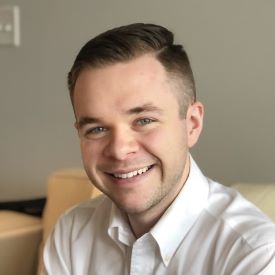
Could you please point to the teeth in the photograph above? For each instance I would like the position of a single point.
(131, 174)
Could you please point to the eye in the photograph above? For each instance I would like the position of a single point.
(94, 132)
(144, 121)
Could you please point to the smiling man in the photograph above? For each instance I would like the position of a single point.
(133, 94)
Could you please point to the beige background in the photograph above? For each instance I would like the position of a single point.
(231, 46)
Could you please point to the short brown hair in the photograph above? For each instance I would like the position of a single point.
(128, 42)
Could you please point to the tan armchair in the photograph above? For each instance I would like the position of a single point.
(22, 236)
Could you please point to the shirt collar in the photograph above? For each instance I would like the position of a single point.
(178, 219)
(119, 229)
(175, 223)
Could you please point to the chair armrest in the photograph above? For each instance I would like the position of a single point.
(20, 237)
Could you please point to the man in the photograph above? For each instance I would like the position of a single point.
(133, 94)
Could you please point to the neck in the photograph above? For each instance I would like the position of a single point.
(141, 223)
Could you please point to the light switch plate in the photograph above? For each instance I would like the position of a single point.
(9, 26)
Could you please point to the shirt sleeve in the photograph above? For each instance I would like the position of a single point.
(56, 254)
(260, 261)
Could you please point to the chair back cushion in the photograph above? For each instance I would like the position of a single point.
(65, 189)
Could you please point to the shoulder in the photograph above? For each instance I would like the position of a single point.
(228, 207)
(89, 206)
(85, 214)
(244, 235)
(75, 230)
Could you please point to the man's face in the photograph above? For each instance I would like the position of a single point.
(134, 144)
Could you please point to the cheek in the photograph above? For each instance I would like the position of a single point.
(172, 136)
(89, 152)
(159, 142)
(153, 139)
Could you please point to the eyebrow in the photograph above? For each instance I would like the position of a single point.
(148, 107)
(86, 120)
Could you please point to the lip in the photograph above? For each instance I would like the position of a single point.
(130, 181)
(128, 170)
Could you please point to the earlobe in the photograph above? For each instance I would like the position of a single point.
(194, 119)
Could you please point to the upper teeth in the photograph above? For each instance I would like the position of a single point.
(131, 174)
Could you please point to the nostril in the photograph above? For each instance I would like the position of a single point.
(121, 147)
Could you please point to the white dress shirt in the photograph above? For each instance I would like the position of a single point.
(209, 229)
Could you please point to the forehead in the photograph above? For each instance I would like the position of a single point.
(123, 85)
(145, 66)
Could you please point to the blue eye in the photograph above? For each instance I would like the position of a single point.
(95, 131)
(144, 121)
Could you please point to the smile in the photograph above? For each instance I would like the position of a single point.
(132, 173)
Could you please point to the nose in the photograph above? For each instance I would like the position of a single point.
(121, 145)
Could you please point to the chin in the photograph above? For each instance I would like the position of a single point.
(130, 207)
(135, 207)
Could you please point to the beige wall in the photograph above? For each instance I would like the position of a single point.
(231, 45)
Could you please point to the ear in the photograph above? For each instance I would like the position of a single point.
(194, 122)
